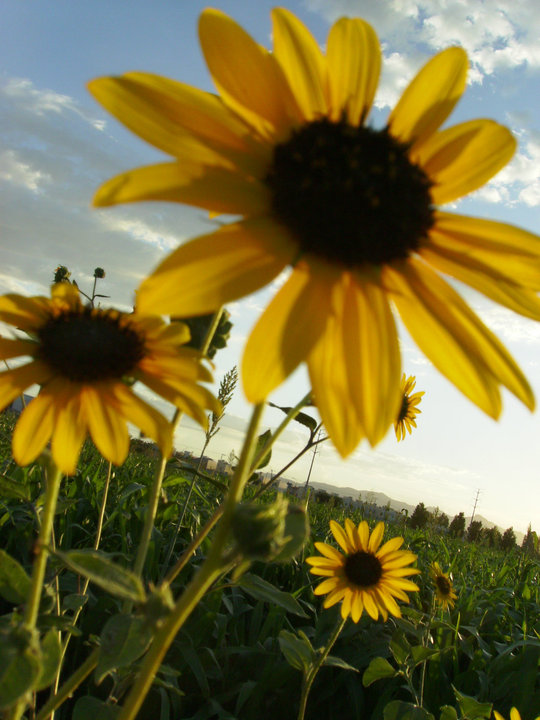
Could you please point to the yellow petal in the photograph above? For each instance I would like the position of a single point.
(107, 427)
(14, 348)
(471, 270)
(357, 607)
(334, 597)
(341, 537)
(164, 112)
(302, 61)
(327, 586)
(430, 97)
(363, 535)
(285, 332)
(330, 552)
(69, 434)
(33, 429)
(454, 338)
(214, 269)
(354, 65)
(464, 157)
(247, 76)
(329, 376)
(26, 313)
(219, 189)
(371, 608)
(376, 537)
(145, 417)
(372, 356)
(390, 546)
(14, 382)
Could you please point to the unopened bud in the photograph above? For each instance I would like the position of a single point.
(296, 533)
(259, 529)
(99, 273)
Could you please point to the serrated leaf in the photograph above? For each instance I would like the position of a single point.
(338, 662)
(99, 569)
(470, 707)
(11, 489)
(51, 656)
(399, 710)
(14, 582)
(377, 669)
(297, 650)
(262, 442)
(262, 590)
(123, 639)
(19, 667)
(90, 708)
(448, 713)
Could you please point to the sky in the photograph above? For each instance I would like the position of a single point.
(57, 146)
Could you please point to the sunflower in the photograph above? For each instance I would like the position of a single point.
(514, 715)
(444, 590)
(368, 577)
(409, 407)
(352, 210)
(85, 361)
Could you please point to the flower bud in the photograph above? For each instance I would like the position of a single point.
(99, 273)
(259, 529)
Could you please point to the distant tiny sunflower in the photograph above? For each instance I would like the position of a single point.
(85, 360)
(444, 589)
(367, 577)
(514, 715)
(352, 209)
(409, 407)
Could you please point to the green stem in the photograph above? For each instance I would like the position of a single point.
(71, 684)
(45, 533)
(424, 644)
(207, 574)
(290, 416)
(309, 677)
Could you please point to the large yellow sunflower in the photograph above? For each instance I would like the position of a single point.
(367, 577)
(85, 361)
(514, 715)
(352, 209)
(409, 407)
(444, 589)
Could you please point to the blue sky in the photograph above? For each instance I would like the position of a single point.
(57, 146)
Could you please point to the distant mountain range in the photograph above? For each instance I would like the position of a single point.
(383, 500)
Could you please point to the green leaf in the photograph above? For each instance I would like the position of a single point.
(334, 661)
(51, 656)
(262, 442)
(123, 639)
(98, 568)
(378, 668)
(399, 710)
(302, 418)
(74, 601)
(297, 650)
(19, 665)
(421, 653)
(448, 713)
(400, 647)
(11, 489)
(262, 590)
(90, 708)
(470, 707)
(14, 582)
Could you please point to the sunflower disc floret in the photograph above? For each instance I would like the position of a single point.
(366, 576)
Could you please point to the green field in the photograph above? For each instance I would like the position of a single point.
(240, 652)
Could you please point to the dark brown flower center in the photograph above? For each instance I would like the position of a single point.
(350, 194)
(443, 584)
(88, 345)
(363, 569)
(404, 408)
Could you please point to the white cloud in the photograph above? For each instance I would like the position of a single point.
(17, 172)
(139, 230)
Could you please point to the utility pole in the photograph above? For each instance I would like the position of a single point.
(474, 507)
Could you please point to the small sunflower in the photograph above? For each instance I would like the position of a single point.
(85, 361)
(353, 210)
(514, 715)
(444, 590)
(367, 577)
(409, 407)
